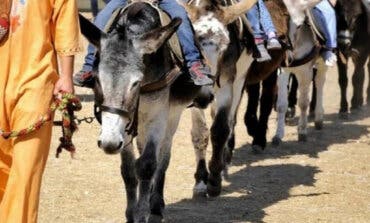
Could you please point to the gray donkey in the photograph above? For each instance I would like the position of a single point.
(133, 55)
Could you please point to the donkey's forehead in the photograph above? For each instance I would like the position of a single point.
(209, 27)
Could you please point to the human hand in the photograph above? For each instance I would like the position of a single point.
(63, 85)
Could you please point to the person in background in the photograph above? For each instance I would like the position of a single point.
(326, 18)
(95, 6)
(263, 30)
(29, 81)
(199, 72)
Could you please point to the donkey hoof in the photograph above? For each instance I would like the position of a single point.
(213, 190)
(276, 141)
(257, 149)
(302, 137)
(319, 125)
(199, 195)
(343, 115)
(214, 186)
(200, 190)
(155, 218)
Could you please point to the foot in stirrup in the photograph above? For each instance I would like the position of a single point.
(273, 44)
(200, 74)
(83, 79)
(330, 58)
(262, 55)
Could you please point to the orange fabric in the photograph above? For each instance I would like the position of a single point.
(4, 8)
(39, 31)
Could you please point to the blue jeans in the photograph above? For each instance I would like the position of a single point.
(100, 21)
(326, 19)
(184, 32)
(260, 20)
(94, 6)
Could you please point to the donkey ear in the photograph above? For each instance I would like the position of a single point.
(151, 41)
(91, 32)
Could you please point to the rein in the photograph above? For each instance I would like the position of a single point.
(67, 105)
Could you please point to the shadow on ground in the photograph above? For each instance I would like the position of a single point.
(263, 186)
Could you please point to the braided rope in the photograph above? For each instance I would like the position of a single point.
(67, 104)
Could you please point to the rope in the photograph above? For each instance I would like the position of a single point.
(67, 104)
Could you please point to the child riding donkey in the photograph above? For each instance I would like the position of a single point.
(198, 70)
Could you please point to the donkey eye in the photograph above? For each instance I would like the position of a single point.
(135, 84)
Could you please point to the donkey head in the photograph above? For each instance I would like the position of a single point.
(210, 19)
(297, 8)
(137, 32)
(348, 15)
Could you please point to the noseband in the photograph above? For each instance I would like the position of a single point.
(131, 127)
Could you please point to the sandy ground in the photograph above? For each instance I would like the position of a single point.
(326, 179)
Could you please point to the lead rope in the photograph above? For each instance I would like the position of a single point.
(67, 105)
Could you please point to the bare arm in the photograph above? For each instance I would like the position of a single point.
(65, 83)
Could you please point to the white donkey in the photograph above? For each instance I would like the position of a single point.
(219, 37)
(306, 50)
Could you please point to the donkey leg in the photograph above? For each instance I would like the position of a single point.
(304, 77)
(145, 168)
(250, 117)
(313, 95)
(358, 80)
(157, 204)
(129, 178)
(200, 138)
(368, 84)
(220, 132)
(146, 165)
(281, 106)
(267, 102)
(319, 86)
(292, 99)
(343, 84)
(237, 91)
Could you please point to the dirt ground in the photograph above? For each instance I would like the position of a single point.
(326, 179)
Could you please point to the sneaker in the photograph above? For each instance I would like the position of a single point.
(83, 78)
(330, 58)
(262, 55)
(200, 74)
(4, 27)
(273, 44)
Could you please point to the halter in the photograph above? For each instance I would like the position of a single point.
(131, 127)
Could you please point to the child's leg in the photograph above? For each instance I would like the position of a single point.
(197, 70)
(266, 20)
(253, 17)
(268, 26)
(94, 7)
(326, 19)
(100, 21)
(83, 76)
(325, 14)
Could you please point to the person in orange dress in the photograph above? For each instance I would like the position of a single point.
(41, 34)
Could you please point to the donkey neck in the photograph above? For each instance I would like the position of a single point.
(305, 41)
(158, 64)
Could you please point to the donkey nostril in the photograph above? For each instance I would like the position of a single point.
(99, 143)
(120, 145)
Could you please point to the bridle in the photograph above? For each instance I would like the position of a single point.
(99, 107)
